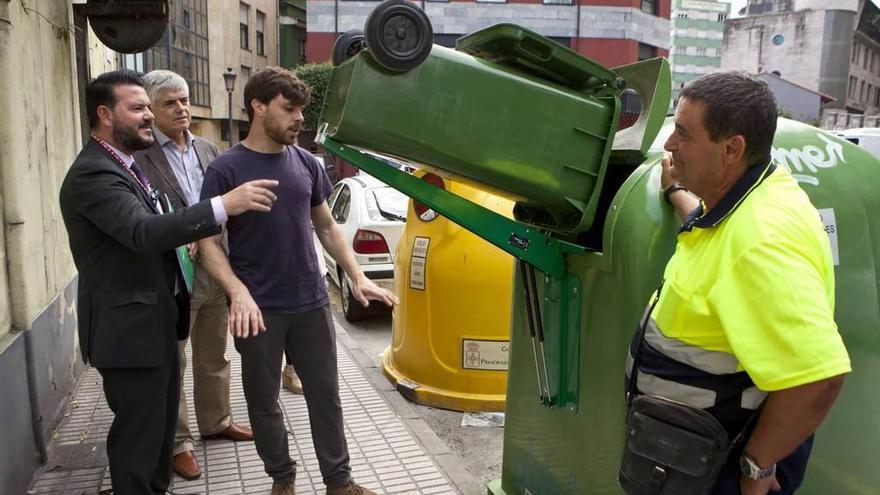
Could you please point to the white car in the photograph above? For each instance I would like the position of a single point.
(866, 137)
(371, 215)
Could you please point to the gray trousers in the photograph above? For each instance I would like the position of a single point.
(310, 339)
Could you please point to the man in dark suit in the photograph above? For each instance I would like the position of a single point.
(130, 304)
(176, 164)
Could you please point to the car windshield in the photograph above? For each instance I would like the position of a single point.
(387, 203)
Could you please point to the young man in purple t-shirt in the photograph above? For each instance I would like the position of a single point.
(277, 296)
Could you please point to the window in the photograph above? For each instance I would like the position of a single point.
(870, 91)
(852, 86)
(649, 7)
(865, 59)
(342, 205)
(862, 92)
(335, 192)
(243, 33)
(261, 29)
(182, 49)
(722, 17)
(877, 98)
(855, 53)
(301, 50)
(680, 50)
(701, 51)
(646, 52)
(132, 61)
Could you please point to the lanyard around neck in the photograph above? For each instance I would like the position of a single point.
(119, 161)
(152, 193)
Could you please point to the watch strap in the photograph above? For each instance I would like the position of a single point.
(675, 186)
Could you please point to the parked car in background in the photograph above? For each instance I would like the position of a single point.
(866, 137)
(371, 215)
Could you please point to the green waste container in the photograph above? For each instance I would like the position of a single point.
(472, 111)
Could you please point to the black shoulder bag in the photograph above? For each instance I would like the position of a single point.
(671, 448)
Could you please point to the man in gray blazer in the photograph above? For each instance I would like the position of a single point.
(130, 306)
(176, 164)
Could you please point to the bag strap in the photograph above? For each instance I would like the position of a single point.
(742, 433)
(634, 371)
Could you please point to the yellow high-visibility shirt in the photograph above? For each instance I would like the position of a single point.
(758, 283)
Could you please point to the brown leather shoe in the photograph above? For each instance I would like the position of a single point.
(186, 466)
(235, 433)
(283, 488)
(350, 488)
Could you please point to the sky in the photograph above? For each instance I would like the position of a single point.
(735, 5)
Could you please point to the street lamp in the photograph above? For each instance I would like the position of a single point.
(229, 79)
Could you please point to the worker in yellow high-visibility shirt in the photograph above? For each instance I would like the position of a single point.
(744, 321)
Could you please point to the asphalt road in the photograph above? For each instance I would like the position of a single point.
(477, 448)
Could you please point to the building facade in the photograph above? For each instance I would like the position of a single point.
(807, 42)
(697, 34)
(292, 20)
(612, 32)
(863, 93)
(201, 43)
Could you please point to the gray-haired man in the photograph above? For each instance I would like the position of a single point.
(176, 164)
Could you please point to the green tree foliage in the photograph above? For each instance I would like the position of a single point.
(316, 77)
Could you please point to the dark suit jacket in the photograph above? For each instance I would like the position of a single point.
(123, 250)
(159, 171)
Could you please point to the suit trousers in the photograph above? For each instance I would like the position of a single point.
(310, 338)
(139, 444)
(208, 332)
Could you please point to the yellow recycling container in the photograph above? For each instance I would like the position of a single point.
(451, 331)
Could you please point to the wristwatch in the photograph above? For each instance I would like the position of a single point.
(675, 186)
(751, 470)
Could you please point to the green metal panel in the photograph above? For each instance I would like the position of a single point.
(530, 245)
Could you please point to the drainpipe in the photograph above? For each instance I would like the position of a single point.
(335, 19)
(6, 72)
(577, 27)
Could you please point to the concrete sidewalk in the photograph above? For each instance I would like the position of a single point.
(391, 452)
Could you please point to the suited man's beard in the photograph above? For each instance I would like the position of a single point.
(130, 139)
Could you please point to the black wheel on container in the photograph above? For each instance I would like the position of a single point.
(351, 308)
(347, 45)
(399, 35)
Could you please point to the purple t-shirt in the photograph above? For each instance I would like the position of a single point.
(273, 253)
